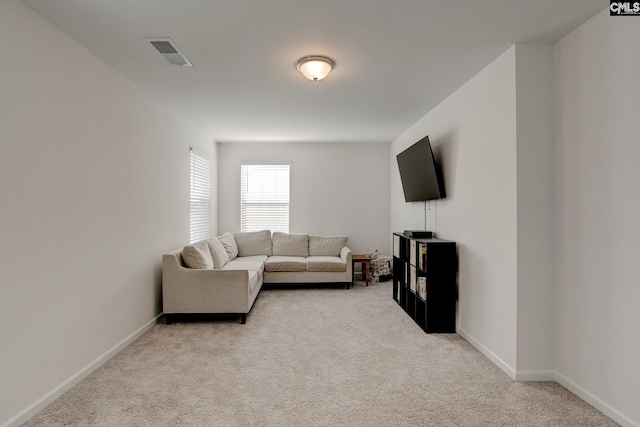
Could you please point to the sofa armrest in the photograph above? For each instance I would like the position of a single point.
(186, 290)
(346, 256)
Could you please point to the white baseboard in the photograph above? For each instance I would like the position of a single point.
(596, 402)
(490, 355)
(40, 404)
(551, 375)
(537, 375)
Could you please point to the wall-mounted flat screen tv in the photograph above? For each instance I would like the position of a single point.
(421, 177)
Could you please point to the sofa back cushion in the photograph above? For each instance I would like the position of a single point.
(285, 244)
(198, 256)
(254, 243)
(229, 244)
(218, 253)
(326, 245)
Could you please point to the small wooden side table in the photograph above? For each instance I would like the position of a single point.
(364, 262)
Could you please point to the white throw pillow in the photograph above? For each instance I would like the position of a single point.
(218, 253)
(198, 256)
(229, 244)
(326, 245)
(254, 243)
(290, 244)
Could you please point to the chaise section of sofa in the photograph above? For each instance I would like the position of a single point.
(229, 290)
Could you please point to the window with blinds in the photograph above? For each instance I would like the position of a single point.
(200, 196)
(264, 198)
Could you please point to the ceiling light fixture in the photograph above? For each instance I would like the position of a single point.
(315, 67)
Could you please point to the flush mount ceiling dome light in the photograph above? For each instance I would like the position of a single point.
(315, 67)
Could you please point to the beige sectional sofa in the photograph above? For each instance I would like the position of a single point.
(224, 275)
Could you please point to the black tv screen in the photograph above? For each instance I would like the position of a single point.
(420, 176)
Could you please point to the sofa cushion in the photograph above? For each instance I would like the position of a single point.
(326, 263)
(198, 256)
(285, 263)
(218, 253)
(261, 258)
(286, 244)
(242, 264)
(254, 243)
(326, 245)
(229, 244)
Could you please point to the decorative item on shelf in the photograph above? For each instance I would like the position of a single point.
(422, 287)
(412, 252)
(422, 256)
(412, 279)
(396, 246)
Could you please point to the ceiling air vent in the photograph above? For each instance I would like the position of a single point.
(169, 50)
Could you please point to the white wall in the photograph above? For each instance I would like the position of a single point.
(598, 199)
(536, 211)
(335, 188)
(496, 138)
(548, 266)
(475, 130)
(94, 187)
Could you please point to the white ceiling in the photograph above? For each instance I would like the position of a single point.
(395, 59)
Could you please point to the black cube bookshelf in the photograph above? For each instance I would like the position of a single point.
(424, 281)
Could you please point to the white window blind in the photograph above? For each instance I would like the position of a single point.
(264, 198)
(200, 196)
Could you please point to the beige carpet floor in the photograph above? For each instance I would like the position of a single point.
(310, 357)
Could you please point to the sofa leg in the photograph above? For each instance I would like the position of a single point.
(168, 318)
(243, 319)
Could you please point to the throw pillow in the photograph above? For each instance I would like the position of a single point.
(229, 244)
(218, 253)
(290, 244)
(198, 256)
(254, 243)
(326, 245)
